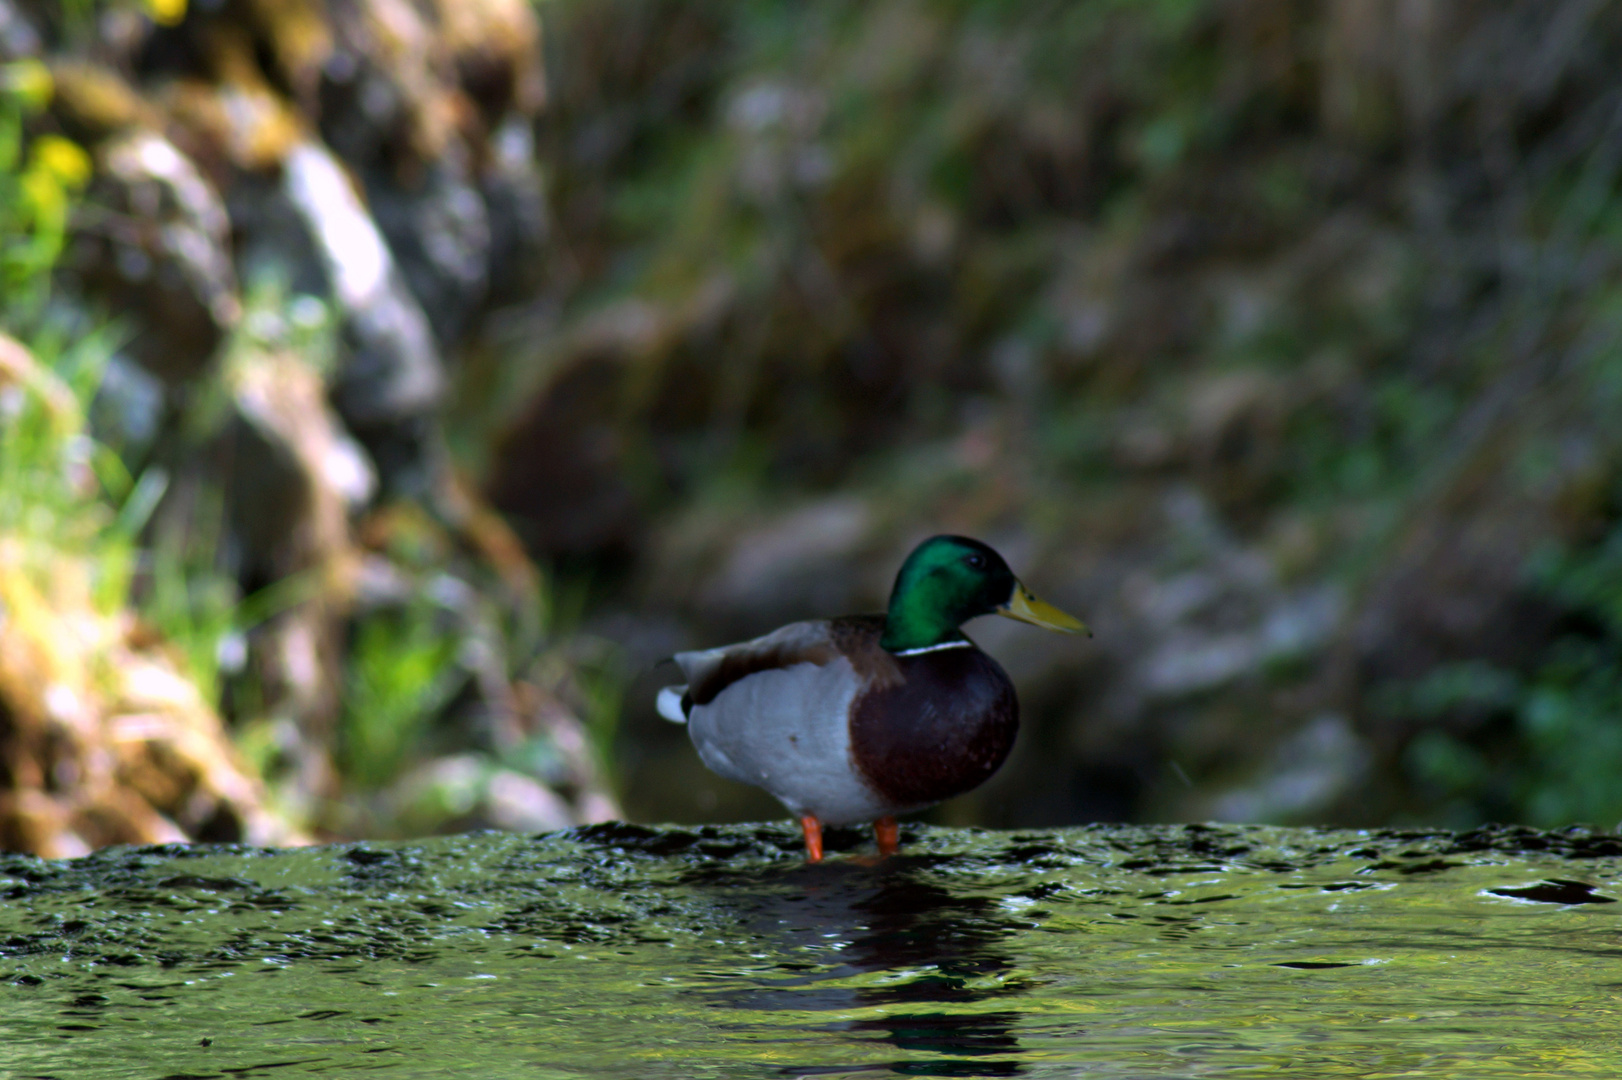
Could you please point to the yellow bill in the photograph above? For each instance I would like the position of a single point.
(1027, 608)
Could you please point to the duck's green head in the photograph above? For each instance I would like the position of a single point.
(948, 580)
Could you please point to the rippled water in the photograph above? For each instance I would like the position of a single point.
(617, 951)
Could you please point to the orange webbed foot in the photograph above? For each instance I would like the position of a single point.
(812, 828)
(888, 834)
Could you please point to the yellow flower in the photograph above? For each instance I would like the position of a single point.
(62, 159)
(45, 195)
(29, 80)
(166, 12)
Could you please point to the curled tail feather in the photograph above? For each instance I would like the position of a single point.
(670, 704)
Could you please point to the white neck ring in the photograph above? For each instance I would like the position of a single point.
(935, 648)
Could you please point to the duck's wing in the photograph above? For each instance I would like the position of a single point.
(815, 641)
(775, 713)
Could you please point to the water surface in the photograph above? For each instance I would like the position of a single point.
(619, 951)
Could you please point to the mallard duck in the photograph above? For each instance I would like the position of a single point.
(865, 717)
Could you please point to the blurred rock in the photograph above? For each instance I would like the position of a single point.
(1305, 776)
(389, 92)
(1188, 661)
(471, 791)
(468, 791)
(392, 374)
(495, 45)
(427, 104)
(561, 470)
(105, 738)
(236, 116)
(18, 38)
(160, 250)
(392, 106)
(300, 39)
(94, 102)
(128, 409)
(514, 199)
(522, 804)
(1228, 619)
(486, 598)
(438, 229)
(798, 565)
(301, 207)
(294, 477)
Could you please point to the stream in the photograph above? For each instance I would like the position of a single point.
(627, 951)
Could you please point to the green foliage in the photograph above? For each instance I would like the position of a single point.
(1558, 757)
(401, 671)
(63, 493)
(191, 603)
(798, 154)
(38, 179)
(57, 486)
(598, 685)
(186, 595)
(586, 670)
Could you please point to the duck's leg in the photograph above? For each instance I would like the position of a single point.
(813, 837)
(888, 834)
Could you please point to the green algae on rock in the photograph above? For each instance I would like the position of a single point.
(619, 950)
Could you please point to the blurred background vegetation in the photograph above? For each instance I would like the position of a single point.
(389, 386)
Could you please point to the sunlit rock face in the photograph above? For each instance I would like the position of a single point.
(165, 254)
(621, 950)
(106, 736)
(384, 128)
(299, 211)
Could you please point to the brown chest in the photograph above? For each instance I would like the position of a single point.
(943, 729)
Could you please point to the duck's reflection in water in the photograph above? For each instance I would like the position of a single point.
(840, 920)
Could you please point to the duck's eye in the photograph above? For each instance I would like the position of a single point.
(976, 560)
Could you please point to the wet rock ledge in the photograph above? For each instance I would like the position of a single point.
(244, 903)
